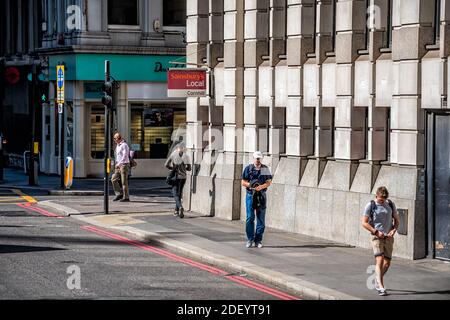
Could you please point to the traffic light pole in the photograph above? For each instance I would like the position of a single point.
(33, 172)
(107, 143)
(2, 88)
(61, 144)
(31, 102)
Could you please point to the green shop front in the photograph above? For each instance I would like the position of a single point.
(148, 120)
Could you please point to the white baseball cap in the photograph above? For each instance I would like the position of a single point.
(257, 155)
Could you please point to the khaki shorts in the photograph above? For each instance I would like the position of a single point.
(383, 247)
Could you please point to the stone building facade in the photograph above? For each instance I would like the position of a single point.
(141, 39)
(341, 96)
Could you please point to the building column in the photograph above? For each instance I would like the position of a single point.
(46, 148)
(278, 69)
(123, 112)
(413, 30)
(300, 42)
(230, 162)
(54, 135)
(349, 120)
(80, 132)
(256, 45)
(323, 45)
(197, 38)
(365, 86)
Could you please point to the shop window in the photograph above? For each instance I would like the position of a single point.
(174, 13)
(123, 12)
(98, 133)
(152, 128)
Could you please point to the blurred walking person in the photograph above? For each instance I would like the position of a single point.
(178, 163)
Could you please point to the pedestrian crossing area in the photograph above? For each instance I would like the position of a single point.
(14, 196)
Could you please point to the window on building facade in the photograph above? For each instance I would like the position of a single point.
(97, 133)
(437, 21)
(152, 128)
(13, 28)
(389, 27)
(388, 135)
(333, 35)
(366, 133)
(123, 12)
(174, 13)
(368, 25)
(315, 31)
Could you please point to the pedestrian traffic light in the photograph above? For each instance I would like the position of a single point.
(107, 98)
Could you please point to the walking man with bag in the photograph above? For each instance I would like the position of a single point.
(380, 218)
(256, 178)
(122, 169)
(178, 163)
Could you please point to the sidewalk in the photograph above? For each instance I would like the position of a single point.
(307, 266)
(16, 179)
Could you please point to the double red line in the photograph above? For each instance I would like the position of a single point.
(30, 206)
(202, 266)
(167, 254)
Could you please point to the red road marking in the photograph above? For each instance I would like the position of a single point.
(216, 271)
(156, 250)
(30, 206)
(261, 287)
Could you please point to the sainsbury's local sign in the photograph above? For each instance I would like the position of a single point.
(182, 83)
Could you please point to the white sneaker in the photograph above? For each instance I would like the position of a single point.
(249, 244)
(377, 286)
(382, 292)
(259, 245)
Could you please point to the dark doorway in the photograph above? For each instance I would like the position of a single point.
(438, 167)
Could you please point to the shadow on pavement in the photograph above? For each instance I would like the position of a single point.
(397, 292)
(313, 246)
(18, 249)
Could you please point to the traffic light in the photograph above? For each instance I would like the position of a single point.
(107, 98)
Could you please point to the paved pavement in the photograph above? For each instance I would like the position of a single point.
(50, 184)
(307, 266)
(45, 257)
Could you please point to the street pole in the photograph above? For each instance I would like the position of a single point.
(32, 178)
(60, 100)
(107, 144)
(2, 88)
(61, 145)
(191, 184)
(31, 181)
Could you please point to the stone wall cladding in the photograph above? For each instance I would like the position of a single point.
(343, 116)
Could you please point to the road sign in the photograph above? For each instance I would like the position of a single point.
(60, 84)
(183, 83)
(60, 108)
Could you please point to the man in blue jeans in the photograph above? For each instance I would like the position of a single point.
(256, 178)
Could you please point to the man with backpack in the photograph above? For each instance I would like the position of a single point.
(380, 218)
(256, 178)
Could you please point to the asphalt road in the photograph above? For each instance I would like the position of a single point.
(44, 257)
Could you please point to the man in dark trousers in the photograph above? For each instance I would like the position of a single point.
(256, 178)
(178, 161)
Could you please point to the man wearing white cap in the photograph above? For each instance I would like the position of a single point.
(256, 178)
